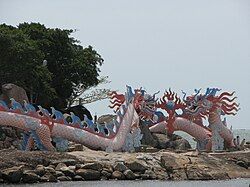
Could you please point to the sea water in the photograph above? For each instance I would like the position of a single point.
(242, 133)
(221, 183)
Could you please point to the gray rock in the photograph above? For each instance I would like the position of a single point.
(67, 171)
(64, 178)
(136, 165)
(161, 139)
(68, 162)
(151, 174)
(145, 176)
(52, 166)
(30, 177)
(12, 175)
(73, 168)
(59, 174)
(40, 170)
(242, 164)
(106, 118)
(119, 166)
(129, 174)
(89, 174)
(13, 91)
(78, 166)
(59, 166)
(48, 177)
(182, 144)
(106, 174)
(93, 166)
(171, 141)
(117, 175)
(50, 170)
(78, 147)
(78, 178)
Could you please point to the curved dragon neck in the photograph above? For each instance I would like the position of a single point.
(214, 117)
(93, 140)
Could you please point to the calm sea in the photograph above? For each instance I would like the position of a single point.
(243, 133)
(227, 183)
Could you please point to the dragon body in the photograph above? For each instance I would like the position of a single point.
(40, 128)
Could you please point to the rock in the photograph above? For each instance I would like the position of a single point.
(119, 166)
(12, 175)
(106, 174)
(147, 138)
(170, 162)
(78, 178)
(64, 178)
(48, 177)
(178, 174)
(93, 166)
(219, 175)
(1, 145)
(145, 176)
(50, 170)
(129, 174)
(78, 147)
(52, 166)
(89, 174)
(73, 168)
(242, 164)
(151, 174)
(161, 139)
(136, 165)
(59, 166)
(59, 174)
(78, 166)
(117, 175)
(106, 118)
(66, 171)
(30, 177)
(13, 91)
(195, 173)
(68, 162)
(171, 141)
(182, 144)
(40, 170)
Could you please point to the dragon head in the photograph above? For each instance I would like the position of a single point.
(202, 104)
(144, 103)
(170, 102)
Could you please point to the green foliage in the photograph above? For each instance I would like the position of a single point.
(22, 51)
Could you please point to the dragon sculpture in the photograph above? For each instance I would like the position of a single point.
(171, 103)
(214, 106)
(123, 133)
(195, 109)
(41, 126)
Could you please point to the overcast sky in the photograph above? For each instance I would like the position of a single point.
(182, 44)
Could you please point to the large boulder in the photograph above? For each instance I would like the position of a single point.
(106, 118)
(13, 91)
(89, 174)
(171, 141)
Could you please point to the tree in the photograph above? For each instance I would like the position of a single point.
(69, 66)
(90, 94)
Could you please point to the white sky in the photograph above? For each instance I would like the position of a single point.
(156, 44)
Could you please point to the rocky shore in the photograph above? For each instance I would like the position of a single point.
(36, 166)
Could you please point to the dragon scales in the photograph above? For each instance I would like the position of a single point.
(40, 127)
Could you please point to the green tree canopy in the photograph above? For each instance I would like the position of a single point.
(69, 66)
